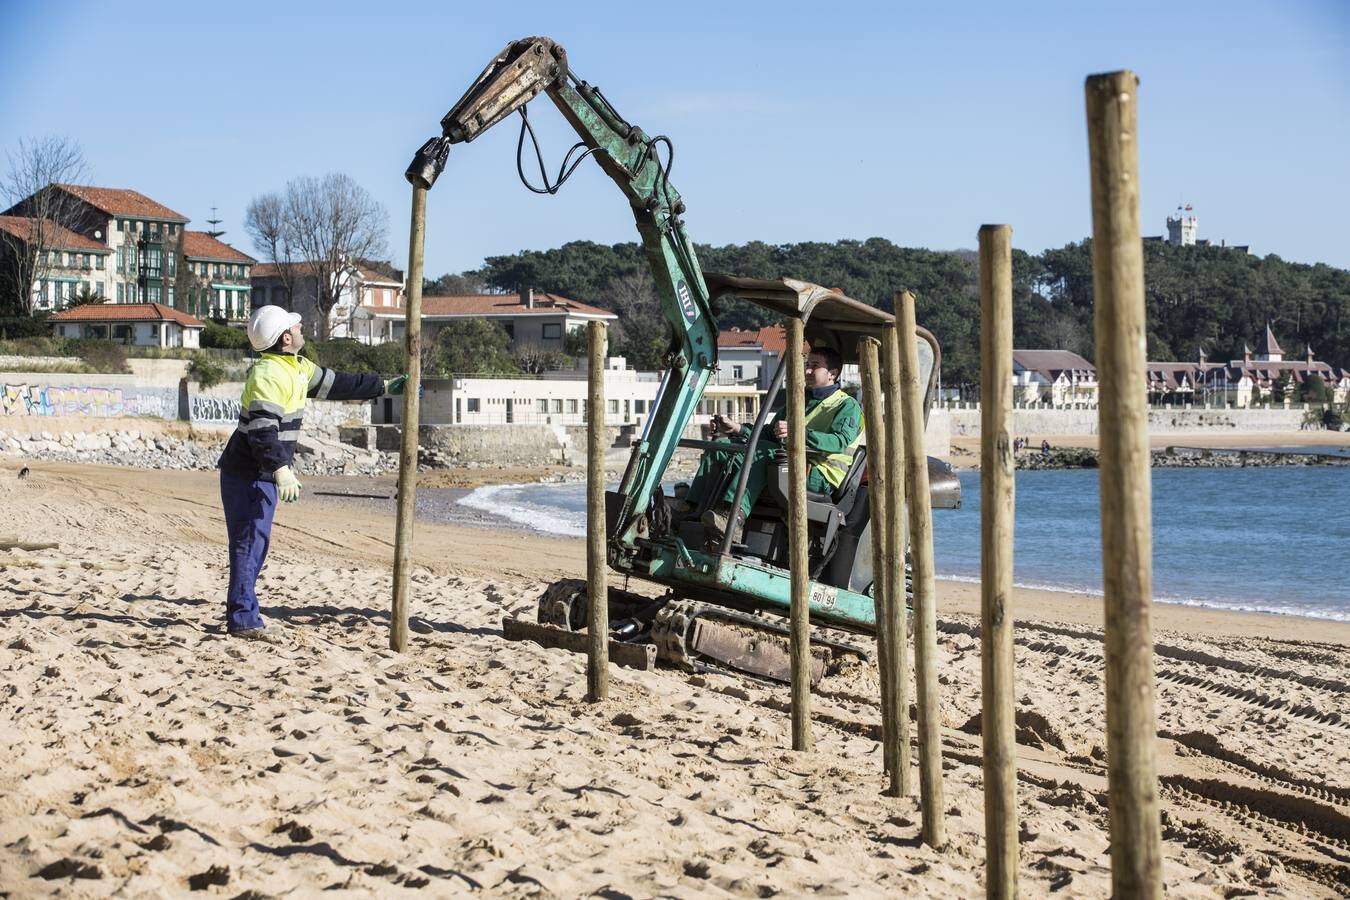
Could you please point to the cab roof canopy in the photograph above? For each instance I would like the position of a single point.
(832, 319)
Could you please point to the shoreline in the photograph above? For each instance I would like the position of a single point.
(452, 513)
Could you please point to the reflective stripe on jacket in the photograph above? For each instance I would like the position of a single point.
(834, 429)
(272, 409)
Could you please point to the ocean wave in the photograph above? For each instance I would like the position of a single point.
(508, 502)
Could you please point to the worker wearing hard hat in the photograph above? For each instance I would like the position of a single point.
(255, 469)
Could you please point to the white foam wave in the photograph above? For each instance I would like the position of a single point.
(508, 502)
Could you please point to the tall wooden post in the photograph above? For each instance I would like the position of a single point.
(597, 568)
(896, 539)
(996, 561)
(878, 496)
(799, 568)
(925, 591)
(1126, 502)
(407, 461)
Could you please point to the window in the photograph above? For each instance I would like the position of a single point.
(171, 295)
(152, 293)
(121, 292)
(98, 262)
(96, 331)
(541, 406)
(474, 404)
(738, 372)
(571, 406)
(614, 407)
(639, 406)
(552, 331)
(121, 333)
(557, 406)
(121, 224)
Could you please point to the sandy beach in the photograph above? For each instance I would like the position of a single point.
(149, 755)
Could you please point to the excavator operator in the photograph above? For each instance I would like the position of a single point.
(834, 424)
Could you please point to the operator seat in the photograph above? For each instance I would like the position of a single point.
(826, 513)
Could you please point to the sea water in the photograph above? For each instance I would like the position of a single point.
(1259, 539)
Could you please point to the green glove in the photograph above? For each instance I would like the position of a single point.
(288, 486)
(395, 385)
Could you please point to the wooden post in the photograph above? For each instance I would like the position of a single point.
(878, 496)
(996, 561)
(407, 461)
(597, 565)
(896, 540)
(1126, 502)
(925, 593)
(799, 567)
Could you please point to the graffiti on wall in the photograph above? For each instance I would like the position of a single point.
(60, 400)
(214, 410)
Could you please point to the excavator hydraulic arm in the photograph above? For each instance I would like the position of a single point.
(535, 65)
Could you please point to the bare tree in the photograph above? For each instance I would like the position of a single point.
(27, 191)
(317, 229)
(265, 222)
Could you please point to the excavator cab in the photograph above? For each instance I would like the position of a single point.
(838, 522)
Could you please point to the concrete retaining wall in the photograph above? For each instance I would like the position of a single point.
(218, 407)
(966, 422)
(59, 395)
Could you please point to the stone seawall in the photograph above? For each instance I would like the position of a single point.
(966, 422)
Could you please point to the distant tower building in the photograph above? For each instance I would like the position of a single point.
(1268, 349)
(1181, 227)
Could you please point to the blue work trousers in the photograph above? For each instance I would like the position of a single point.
(249, 508)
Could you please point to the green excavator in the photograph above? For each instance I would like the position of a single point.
(725, 601)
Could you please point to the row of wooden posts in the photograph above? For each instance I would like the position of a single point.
(898, 468)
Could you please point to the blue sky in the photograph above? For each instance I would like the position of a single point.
(915, 122)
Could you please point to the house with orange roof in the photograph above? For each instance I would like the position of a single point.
(66, 264)
(132, 324)
(219, 283)
(361, 289)
(141, 237)
(532, 319)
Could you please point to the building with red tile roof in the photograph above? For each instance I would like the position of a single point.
(134, 324)
(531, 318)
(221, 285)
(141, 235)
(62, 263)
(123, 203)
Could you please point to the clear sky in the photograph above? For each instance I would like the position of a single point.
(912, 121)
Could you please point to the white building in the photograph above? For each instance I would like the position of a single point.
(133, 324)
(1053, 377)
(557, 398)
(1182, 228)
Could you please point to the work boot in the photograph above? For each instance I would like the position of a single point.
(717, 520)
(262, 634)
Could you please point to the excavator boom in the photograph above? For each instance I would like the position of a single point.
(535, 65)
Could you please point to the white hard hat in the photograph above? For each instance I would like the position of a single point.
(268, 324)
